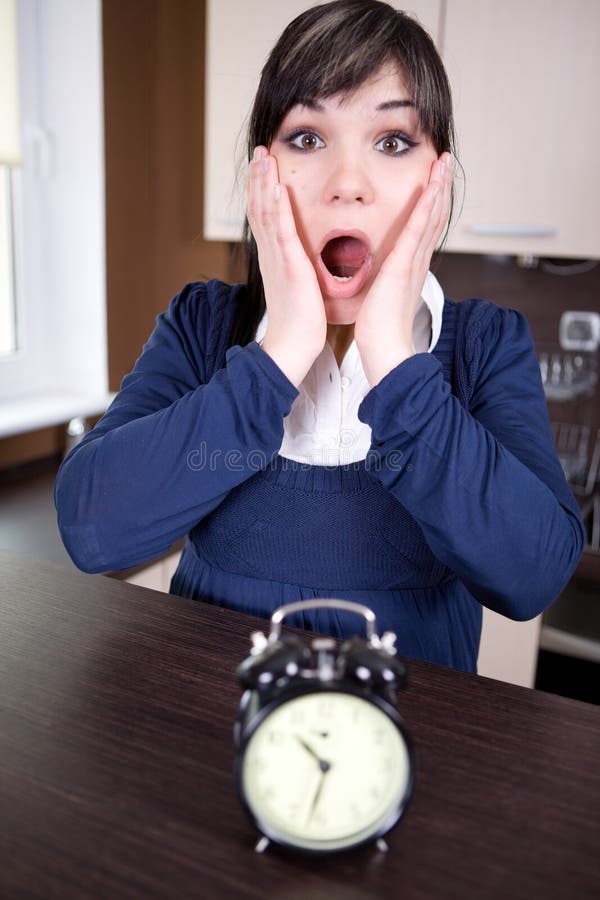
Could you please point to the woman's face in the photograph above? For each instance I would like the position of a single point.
(355, 165)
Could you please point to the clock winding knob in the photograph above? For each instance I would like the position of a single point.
(278, 659)
(372, 666)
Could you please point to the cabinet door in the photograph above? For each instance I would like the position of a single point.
(509, 650)
(239, 37)
(525, 78)
(157, 576)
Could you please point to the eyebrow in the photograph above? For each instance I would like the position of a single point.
(394, 104)
(315, 106)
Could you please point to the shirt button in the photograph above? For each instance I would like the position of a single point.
(345, 382)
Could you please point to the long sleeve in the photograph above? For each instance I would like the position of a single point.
(484, 484)
(171, 446)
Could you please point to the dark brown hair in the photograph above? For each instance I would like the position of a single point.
(334, 48)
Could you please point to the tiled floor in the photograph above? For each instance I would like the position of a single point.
(27, 513)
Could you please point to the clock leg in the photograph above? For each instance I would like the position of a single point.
(262, 844)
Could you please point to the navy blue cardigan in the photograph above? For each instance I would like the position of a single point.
(460, 502)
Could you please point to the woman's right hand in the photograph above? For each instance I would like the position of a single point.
(297, 327)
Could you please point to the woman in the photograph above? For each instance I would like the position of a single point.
(335, 427)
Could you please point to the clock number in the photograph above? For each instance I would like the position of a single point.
(320, 819)
(325, 709)
(355, 812)
(297, 717)
(379, 736)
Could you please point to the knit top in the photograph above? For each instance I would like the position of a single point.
(461, 500)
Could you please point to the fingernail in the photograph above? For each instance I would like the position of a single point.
(259, 152)
(277, 191)
(264, 166)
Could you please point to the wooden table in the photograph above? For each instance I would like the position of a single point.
(116, 712)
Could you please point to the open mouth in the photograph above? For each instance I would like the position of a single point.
(344, 256)
(344, 264)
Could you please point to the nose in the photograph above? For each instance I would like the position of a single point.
(348, 181)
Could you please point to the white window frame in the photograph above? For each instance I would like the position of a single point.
(8, 336)
(60, 367)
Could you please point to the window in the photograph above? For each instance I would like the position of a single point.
(53, 353)
(8, 330)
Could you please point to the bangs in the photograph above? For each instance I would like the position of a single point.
(334, 49)
(335, 59)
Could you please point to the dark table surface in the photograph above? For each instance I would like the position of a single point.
(116, 712)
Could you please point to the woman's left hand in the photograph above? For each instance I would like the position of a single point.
(384, 326)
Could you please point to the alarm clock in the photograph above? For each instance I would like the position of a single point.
(323, 760)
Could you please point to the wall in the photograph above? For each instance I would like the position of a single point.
(154, 112)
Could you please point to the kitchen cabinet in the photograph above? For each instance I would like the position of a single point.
(157, 575)
(239, 37)
(508, 650)
(525, 78)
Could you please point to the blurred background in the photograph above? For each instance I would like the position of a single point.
(122, 178)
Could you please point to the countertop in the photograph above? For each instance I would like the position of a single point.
(116, 763)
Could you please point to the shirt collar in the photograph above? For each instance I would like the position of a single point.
(428, 319)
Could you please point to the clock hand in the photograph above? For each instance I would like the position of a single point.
(315, 799)
(325, 768)
(323, 764)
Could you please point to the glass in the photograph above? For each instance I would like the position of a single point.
(8, 330)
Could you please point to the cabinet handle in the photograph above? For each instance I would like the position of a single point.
(492, 230)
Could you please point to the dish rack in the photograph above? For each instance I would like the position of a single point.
(568, 375)
(569, 370)
(579, 454)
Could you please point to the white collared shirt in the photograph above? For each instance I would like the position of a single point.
(323, 428)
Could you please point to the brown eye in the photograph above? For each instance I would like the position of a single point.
(306, 140)
(390, 145)
(394, 144)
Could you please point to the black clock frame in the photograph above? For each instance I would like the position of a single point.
(258, 705)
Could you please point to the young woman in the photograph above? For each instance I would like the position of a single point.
(335, 427)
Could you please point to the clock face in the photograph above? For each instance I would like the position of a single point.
(325, 771)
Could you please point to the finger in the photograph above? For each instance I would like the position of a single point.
(273, 223)
(446, 176)
(425, 217)
(435, 209)
(441, 210)
(436, 175)
(261, 180)
(281, 218)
